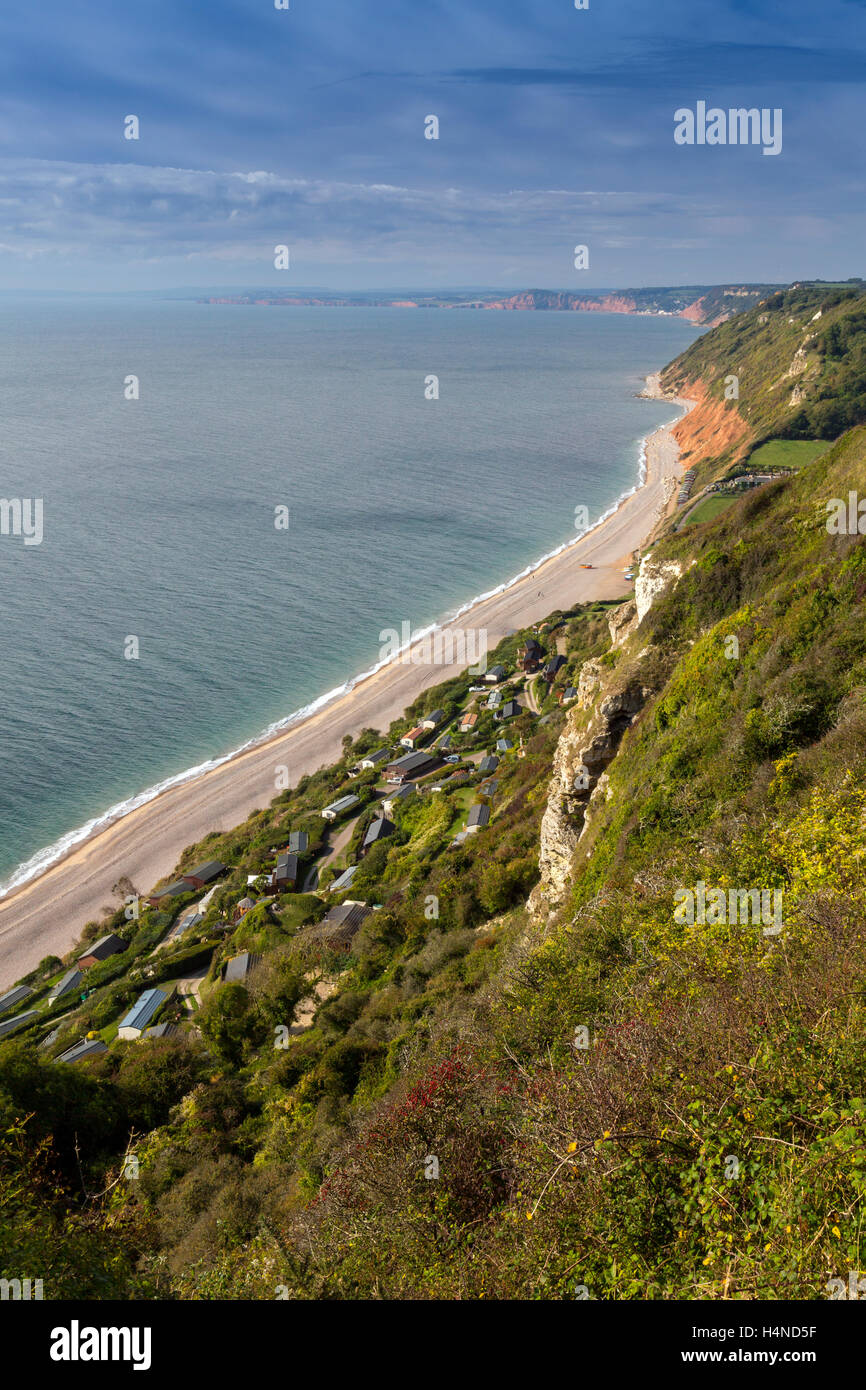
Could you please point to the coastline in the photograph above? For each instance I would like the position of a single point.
(143, 838)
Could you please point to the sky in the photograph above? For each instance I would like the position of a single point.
(305, 127)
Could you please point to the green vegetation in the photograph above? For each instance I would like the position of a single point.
(799, 358)
(786, 453)
(709, 508)
(477, 1100)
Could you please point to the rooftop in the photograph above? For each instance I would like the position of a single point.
(70, 980)
(144, 1009)
(106, 946)
(9, 1025)
(381, 755)
(207, 872)
(239, 967)
(13, 997)
(344, 803)
(338, 929)
(378, 830)
(88, 1047)
(410, 761)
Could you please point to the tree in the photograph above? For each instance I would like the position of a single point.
(233, 1023)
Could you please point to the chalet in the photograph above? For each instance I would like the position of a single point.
(378, 830)
(504, 745)
(489, 788)
(495, 675)
(411, 765)
(568, 694)
(510, 709)
(148, 1004)
(71, 980)
(186, 923)
(530, 655)
(407, 789)
(88, 1047)
(238, 968)
(415, 736)
(8, 1025)
(433, 719)
(13, 997)
(299, 842)
(554, 665)
(478, 818)
(468, 722)
(204, 874)
(340, 807)
(494, 699)
(162, 1030)
(285, 876)
(101, 950)
(382, 755)
(344, 882)
(174, 890)
(488, 765)
(242, 908)
(338, 929)
(444, 743)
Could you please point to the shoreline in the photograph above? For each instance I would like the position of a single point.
(71, 882)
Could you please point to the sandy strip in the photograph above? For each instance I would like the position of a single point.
(46, 915)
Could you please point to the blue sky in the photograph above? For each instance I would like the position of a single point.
(306, 127)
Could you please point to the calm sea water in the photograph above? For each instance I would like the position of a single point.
(159, 513)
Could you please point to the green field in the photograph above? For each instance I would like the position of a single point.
(709, 508)
(461, 800)
(787, 453)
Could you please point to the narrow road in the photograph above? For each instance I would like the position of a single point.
(336, 844)
(190, 989)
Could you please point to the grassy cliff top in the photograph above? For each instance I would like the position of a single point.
(792, 367)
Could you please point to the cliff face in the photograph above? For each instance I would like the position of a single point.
(622, 623)
(705, 310)
(583, 754)
(535, 299)
(653, 578)
(713, 427)
(797, 355)
(705, 313)
(587, 748)
(705, 305)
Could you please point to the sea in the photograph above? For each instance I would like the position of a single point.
(238, 501)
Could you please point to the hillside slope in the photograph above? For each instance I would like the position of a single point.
(792, 367)
(645, 1107)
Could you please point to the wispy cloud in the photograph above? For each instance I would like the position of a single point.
(49, 207)
(537, 103)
